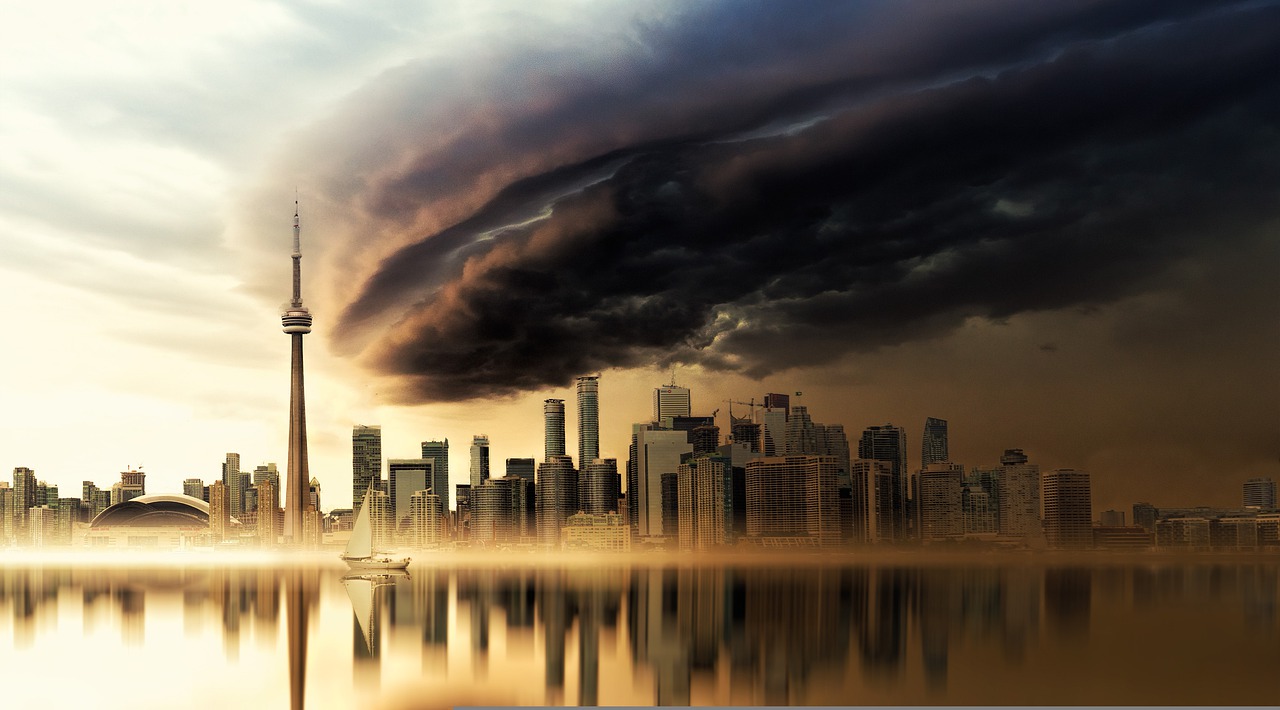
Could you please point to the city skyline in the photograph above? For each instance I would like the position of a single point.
(152, 175)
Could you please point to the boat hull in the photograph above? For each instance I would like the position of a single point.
(376, 562)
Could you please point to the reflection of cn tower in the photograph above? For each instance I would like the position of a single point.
(297, 323)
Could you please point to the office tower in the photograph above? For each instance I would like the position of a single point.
(773, 400)
(268, 494)
(670, 485)
(588, 420)
(657, 452)
(404, 478)
(479, 460)
(524, 468)
(745, 431)
(1019, 496)
(235, 485)
(704, 508)
(268, 472)
(424, 511)
(193, 487)
(933, 445)
(366, 463)
(313, 495)
(941, 514)
(670, 401)
(219, 511)
(553, 428)
(556, 498)
(438, 453)
(1260, 493)
(791, 496)
(773, 433)
(296, 320)
(888, 443)
(801, 437)
(705, 439)
(598, 487)
(492, 513)
(1068, 508)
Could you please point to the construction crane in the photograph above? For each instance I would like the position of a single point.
(732, 402)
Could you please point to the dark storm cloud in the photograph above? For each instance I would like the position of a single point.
(784, 190)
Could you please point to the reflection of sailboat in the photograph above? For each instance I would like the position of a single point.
(359, 553)
(360, 589)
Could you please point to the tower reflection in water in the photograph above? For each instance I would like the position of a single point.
(681, 634)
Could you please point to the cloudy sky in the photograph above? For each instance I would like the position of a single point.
(1055, 225)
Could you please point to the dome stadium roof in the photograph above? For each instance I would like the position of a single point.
(163, 510)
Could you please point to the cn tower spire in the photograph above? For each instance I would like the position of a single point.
(296, 320)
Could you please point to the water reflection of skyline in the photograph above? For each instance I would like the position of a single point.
(668, 635)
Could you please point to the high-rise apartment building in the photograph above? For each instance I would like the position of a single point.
(366, 463)
(428, 525)
(133, 484)
(438, 453)
(871, 493)
(704, 502)
(268, 511)
(598, 487)
(1260, 493)
(219, 511)
(1068, 508)
(193, 487)
(479, 460)
(522, 467)
(588, 420)
(23, 500)
(553, 428)
(670, 401)
(888, 443)
(267, 472)
(933, 445)
(492, 513)
(404, 478)
(941, 514)
(793, 496)
(1019, 496)
(556, 498)
(235, 486)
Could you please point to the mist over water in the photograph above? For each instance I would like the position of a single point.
(1163, 631)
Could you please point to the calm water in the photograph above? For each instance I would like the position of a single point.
(1155, 633)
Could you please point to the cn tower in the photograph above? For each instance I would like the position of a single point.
(297, 323)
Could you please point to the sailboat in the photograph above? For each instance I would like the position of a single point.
(359, 553)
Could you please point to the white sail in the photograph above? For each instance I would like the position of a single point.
(361, 593)
(361, 543)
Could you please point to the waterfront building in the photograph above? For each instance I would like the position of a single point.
(940, 501)
(1019, 496)
(793, 496)
(1068, 508)
(1260, 493)
(704, 502)
(428, 524)
(268, 512)
(888, 443)
(193, 487)
(366, 462)
(598, 486)
(492, 513)
(556, 498)
(597, 533)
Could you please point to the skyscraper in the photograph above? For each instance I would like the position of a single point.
(790, 496)
(704, 490)
(404, 478)
(801, 437)
(296, 320)
(438, 452)
(933, 445)
(598, 487)
(941, 514)
(479, 460)
(219, 516)
(1018, 496)
(588, 420)
(235, 485)
(366, 463)
(556, 498)
(657, 452)
(553, 428)
(670, 401)
(888, 443)
(1068, 508)
(193, 487)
